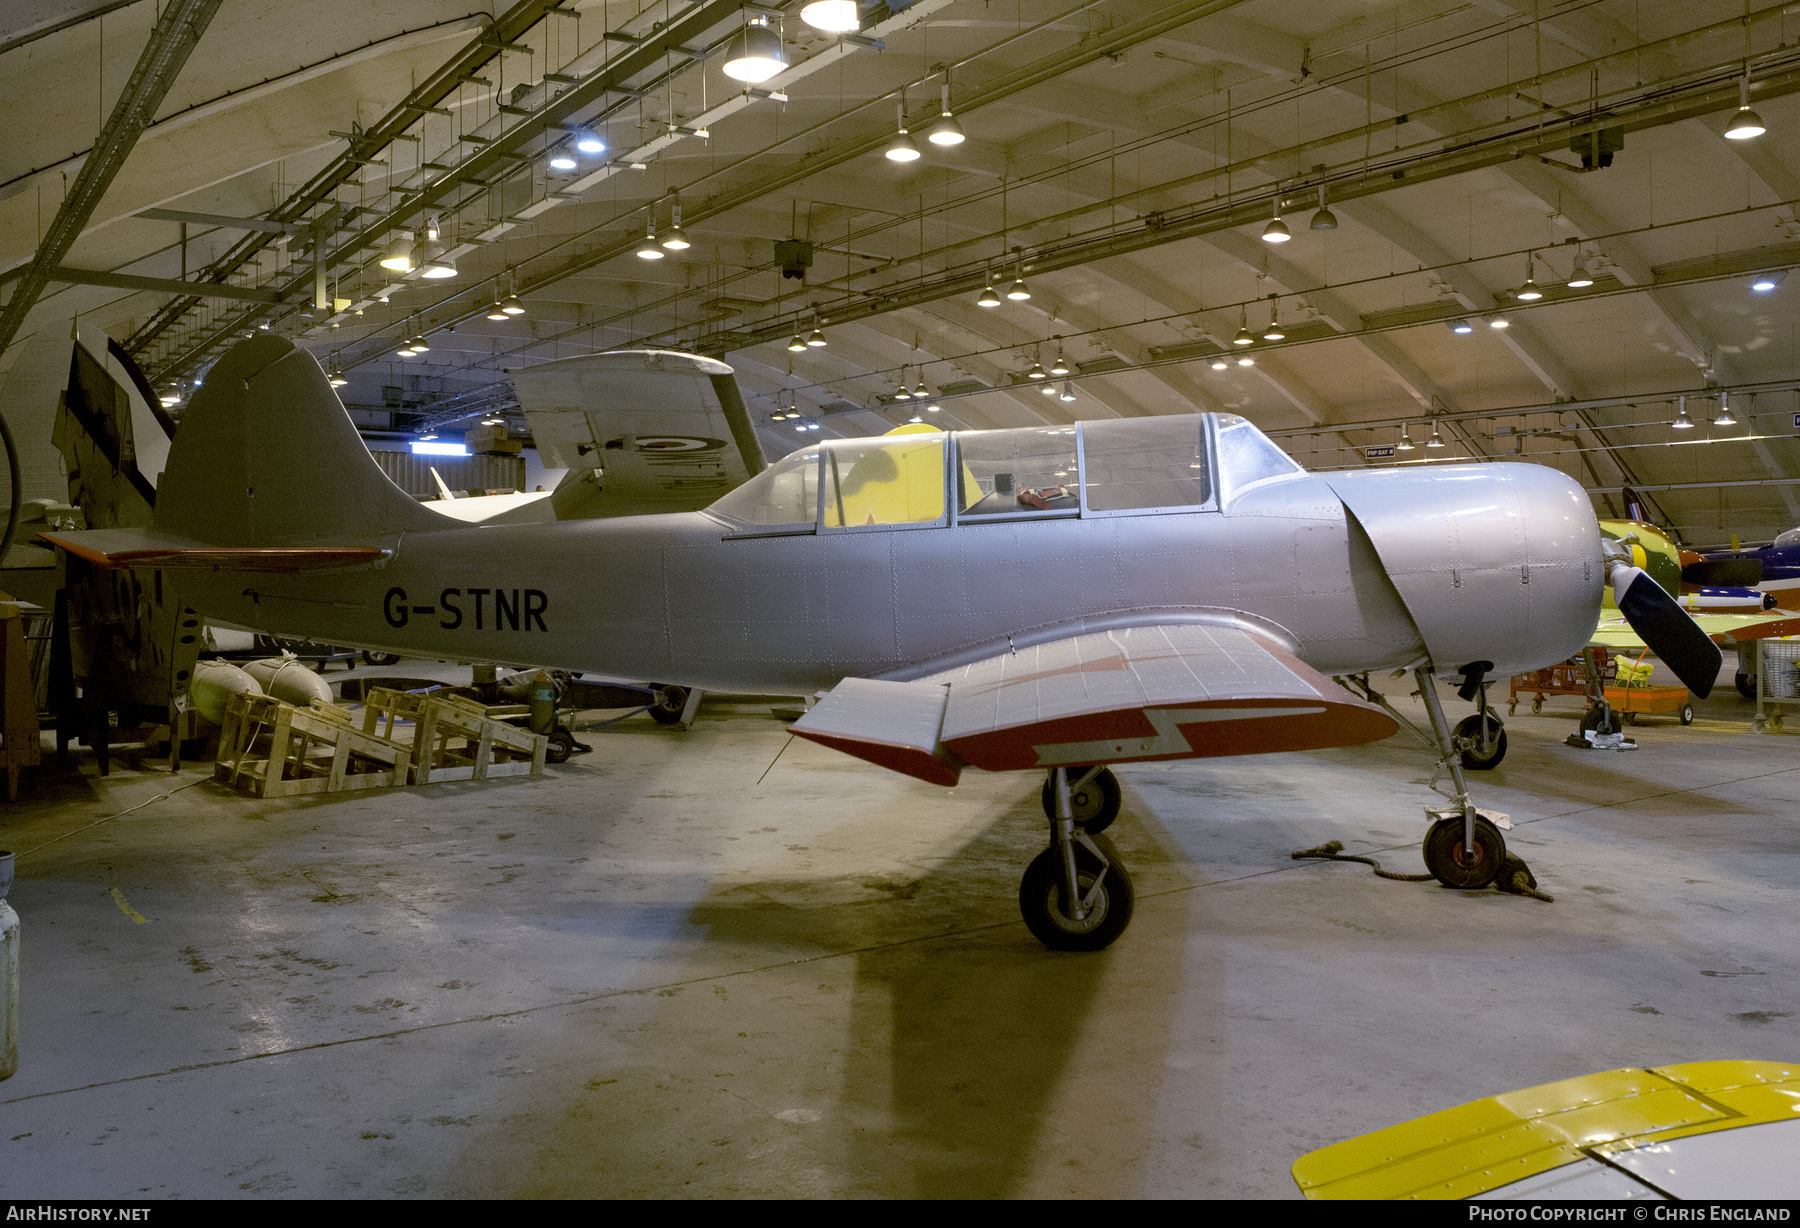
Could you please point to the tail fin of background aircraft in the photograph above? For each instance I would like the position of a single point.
(266, 456)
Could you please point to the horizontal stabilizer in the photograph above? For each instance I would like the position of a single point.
(118, 550)
(1130, 696)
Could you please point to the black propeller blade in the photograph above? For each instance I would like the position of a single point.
(1724, 573)
(1666, 629)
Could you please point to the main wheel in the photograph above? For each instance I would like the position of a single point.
(670, 700)
(1047, 914)
(1687, 714)
(1094, 805)
(1600, 720)
(562, 745)
(1453, 865)
(1746, 684)
(381, 658)
(1469, 728)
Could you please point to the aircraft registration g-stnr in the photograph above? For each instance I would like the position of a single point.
(1048, 598)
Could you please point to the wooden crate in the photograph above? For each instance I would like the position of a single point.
(273, 749)
(455, 738)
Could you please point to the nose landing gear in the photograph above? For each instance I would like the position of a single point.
(1464, 847)
(1076, 895)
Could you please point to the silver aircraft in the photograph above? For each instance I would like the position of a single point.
(1052, 599)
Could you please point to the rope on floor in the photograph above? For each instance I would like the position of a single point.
(1517, 878)
(160, 797)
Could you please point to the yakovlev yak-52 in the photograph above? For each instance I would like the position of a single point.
(1050, 599)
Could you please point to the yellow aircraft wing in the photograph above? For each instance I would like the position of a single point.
(1633, 1133)
(1614, 633)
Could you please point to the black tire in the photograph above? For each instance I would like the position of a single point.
(1746, 684)
(562, 745)
(1095, 804)
(670, 700)
(1445, 858)
(381, 658)
(1041, 901)
(1687, 714)
(1592, 719)
(1470, 727)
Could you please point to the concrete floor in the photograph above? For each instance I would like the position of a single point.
(668, 969)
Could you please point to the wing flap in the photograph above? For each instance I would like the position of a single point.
(1131, 696)
(118, 549)
(891, 724)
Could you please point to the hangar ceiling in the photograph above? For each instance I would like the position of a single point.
(1123, 159)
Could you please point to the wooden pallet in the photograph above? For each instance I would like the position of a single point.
(273, 749)
(454, 738)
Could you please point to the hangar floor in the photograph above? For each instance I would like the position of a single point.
(668, 969)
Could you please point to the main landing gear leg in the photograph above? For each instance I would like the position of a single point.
(1463, 848)
(1076, 895)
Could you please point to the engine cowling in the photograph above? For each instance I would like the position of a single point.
(1498, 563)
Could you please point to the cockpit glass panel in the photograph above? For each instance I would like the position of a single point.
(892, 479)
(1145, 463)
(1017, 472)
(786, 493)
(1246, 455)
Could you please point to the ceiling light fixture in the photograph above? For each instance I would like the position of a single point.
(676, 239)
(1037, 371)
(946, 131)
(797, 345)
(817, 339)
(420, 345)
(1219, 364)
(589, 142)
(1244, 335)
(1276, 231)
(1274, 332)
(831, 16)
(754, 54)
(432, 260)
(1682, 421)
(1725, 418)
(1068, 391)
(1018, 292)
(932, 408)
(1579, 277)
(1324, 219)
(1436, 440)
(902, 148)
(1244, 360)
(989, 298)
(1406, 443)
(1461, 328)
(1499, 322)
(1746, 123)
(1048, 390)
(920, 392)
(1762, 283)
(650, 249)
(563, 160)
(398, 257)
(337, 378)
(497, 311)
(900, 393)
(1060, 367)
(1529, 292)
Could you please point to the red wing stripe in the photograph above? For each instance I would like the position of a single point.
(247, 558)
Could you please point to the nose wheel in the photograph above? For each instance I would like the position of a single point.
(1076, 895)
(1457, 860)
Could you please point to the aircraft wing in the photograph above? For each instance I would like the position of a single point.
(1136, 695)
(639, 431)
(1615, 633)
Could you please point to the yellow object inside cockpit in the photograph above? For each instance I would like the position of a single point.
(896, 479)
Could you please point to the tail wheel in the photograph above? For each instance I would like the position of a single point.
(1469, 734)
(562, 745)
(1457, 864)
(1687, 714)
(381, 658)
(1049, 916)
(1095, 804)
(670, 701)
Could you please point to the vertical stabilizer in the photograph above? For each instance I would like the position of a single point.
(266, 455)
